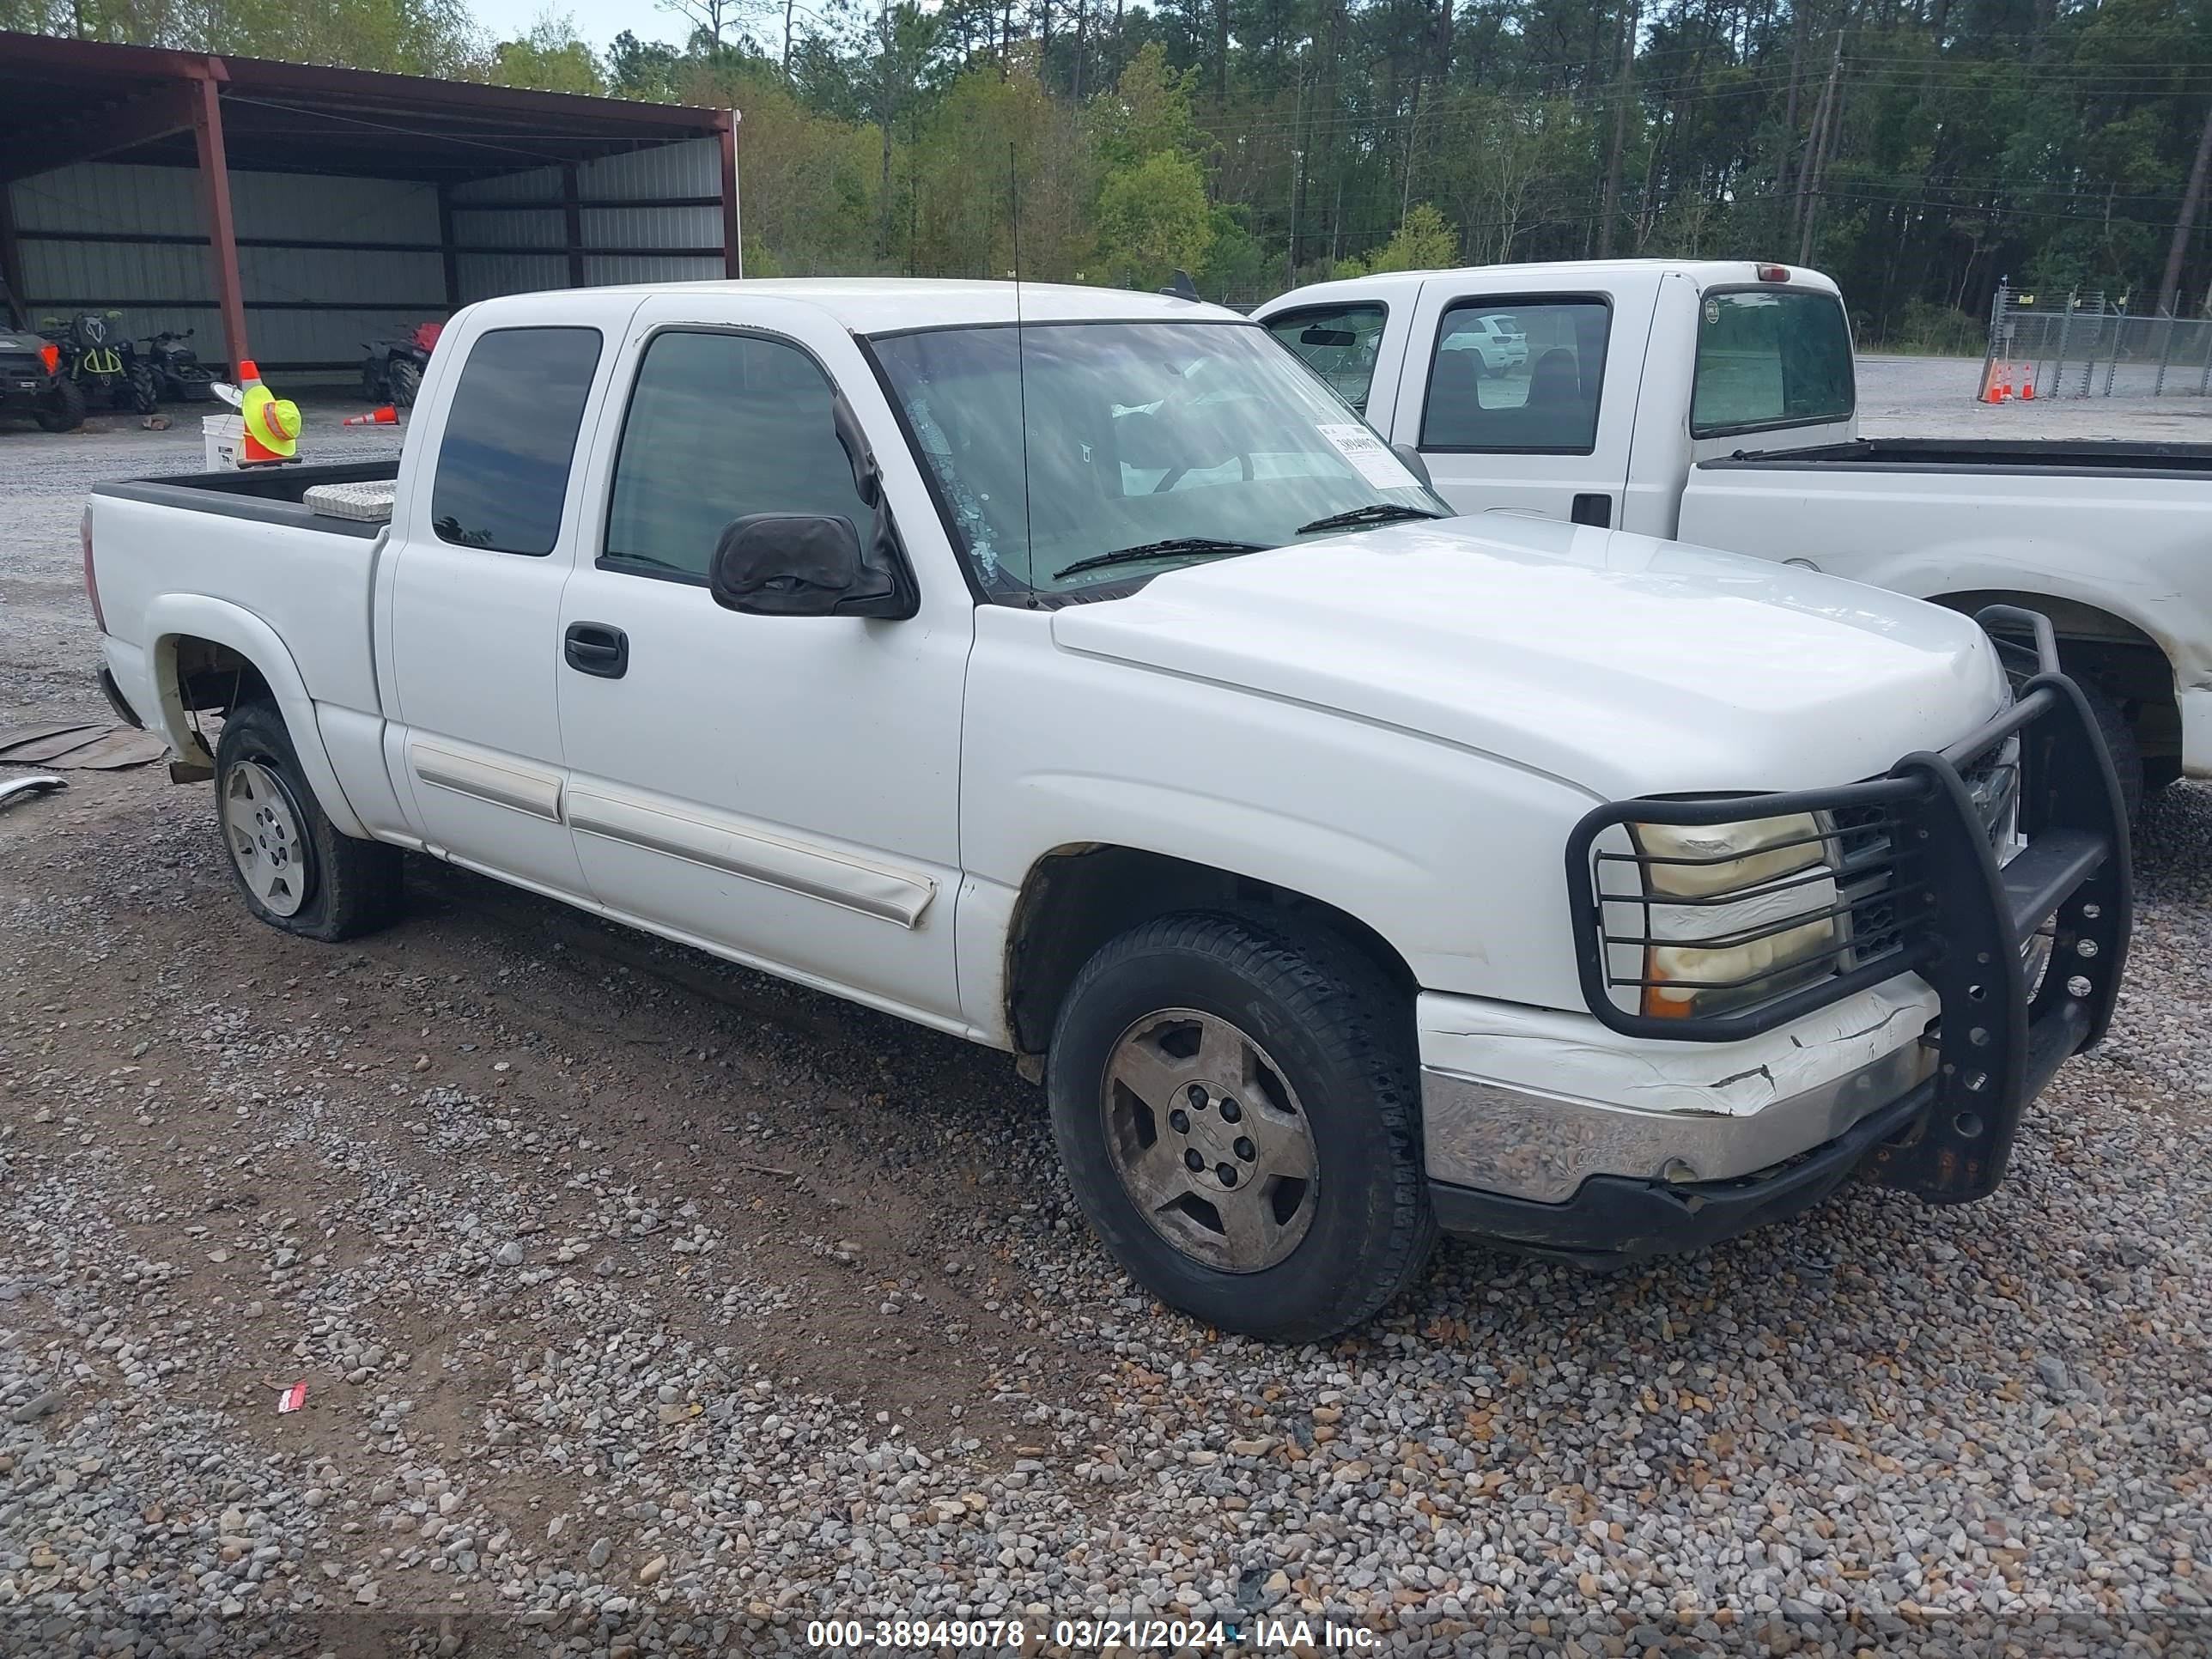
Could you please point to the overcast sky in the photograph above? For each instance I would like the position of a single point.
(597, 21)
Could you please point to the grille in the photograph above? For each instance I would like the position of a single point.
(1864, 843)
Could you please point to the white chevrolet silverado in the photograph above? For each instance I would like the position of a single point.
(1716, 401)
(1075, 672)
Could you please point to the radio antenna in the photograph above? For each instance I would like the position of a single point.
(1021, 369)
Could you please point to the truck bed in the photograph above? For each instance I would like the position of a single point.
(265, 495)
(2042, 456)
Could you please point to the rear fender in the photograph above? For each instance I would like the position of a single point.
(174, 616)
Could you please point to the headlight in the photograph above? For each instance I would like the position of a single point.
(1720, 899)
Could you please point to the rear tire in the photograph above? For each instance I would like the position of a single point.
(145, 396)
(66, 411)
(1203, 1042)
(298, 873)
(405, 380)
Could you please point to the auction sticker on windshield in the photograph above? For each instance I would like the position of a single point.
(1370, 455)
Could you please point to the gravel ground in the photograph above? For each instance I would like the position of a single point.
(647, 1305)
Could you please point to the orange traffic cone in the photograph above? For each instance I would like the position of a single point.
(1993, 389)
(386, 416)
(2027, 385)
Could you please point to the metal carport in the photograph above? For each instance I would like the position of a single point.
(306, 209)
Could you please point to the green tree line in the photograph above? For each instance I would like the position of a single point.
(1917, 149)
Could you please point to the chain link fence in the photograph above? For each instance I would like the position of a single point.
(2084, 344)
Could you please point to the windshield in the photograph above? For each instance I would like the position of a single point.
(1150, 445)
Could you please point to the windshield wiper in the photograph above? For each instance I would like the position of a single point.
(1173, 544)
(1373, 513)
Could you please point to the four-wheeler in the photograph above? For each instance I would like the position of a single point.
(392, 370)
(179, 376)
(101, 361)
(31, 383)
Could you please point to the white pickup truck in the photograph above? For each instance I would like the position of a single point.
(1715, 401)
(1097, 687)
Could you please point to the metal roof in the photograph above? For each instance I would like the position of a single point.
(64, 100)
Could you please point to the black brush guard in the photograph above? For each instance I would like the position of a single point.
(1931, 899)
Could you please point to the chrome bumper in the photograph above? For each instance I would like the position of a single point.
(1521, 1142)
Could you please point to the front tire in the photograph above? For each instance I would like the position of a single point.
(405, 380)
(66, 412)
(1238, 1109)
(298, 873)
(145, 395)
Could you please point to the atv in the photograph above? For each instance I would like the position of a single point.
(392, 370)
(180, 377)
(105, 369)
(31, 383)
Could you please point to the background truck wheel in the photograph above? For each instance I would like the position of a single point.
(65, 411)
(2120, 738)
(1238, 1110)
(296, 870)
(405, 380)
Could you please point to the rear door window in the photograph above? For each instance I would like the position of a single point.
(1339, 343)
(1771, 357)
(1521, 379)
(510, 436)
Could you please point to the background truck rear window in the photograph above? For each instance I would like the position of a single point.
(1770, 358)
(1340, 343)
(510, 435)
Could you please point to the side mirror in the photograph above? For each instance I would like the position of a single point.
(800, 564)
(1414, 463)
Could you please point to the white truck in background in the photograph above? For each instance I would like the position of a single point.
(1715, 401)
(1071, 672)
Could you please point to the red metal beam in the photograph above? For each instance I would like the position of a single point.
(222, 231)
(733, 229)
(152, 115)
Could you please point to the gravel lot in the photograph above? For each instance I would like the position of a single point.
(647, 1305)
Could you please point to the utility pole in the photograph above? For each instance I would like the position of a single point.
(2192, 198)
(1816, 161)
(1298, 189)
(1624, 94)
(1815, 146)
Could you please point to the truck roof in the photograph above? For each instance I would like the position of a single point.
(1564, 275)
(879, 304)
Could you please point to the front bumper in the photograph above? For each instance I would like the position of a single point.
(1933, 1112)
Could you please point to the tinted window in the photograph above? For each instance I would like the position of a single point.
(1768, 358)
(1340, 342)
(510, 435)
(719, 426)
(1526, 378)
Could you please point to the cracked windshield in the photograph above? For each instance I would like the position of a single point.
(1151, 446)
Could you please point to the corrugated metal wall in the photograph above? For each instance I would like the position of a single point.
(690, 169)
(286, 288)
(64, 217)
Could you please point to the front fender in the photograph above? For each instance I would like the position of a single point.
(174, 617)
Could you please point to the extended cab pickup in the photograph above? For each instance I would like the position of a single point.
(1095, 686)
(1716, 402)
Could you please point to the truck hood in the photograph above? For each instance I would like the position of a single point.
(1621, 663)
